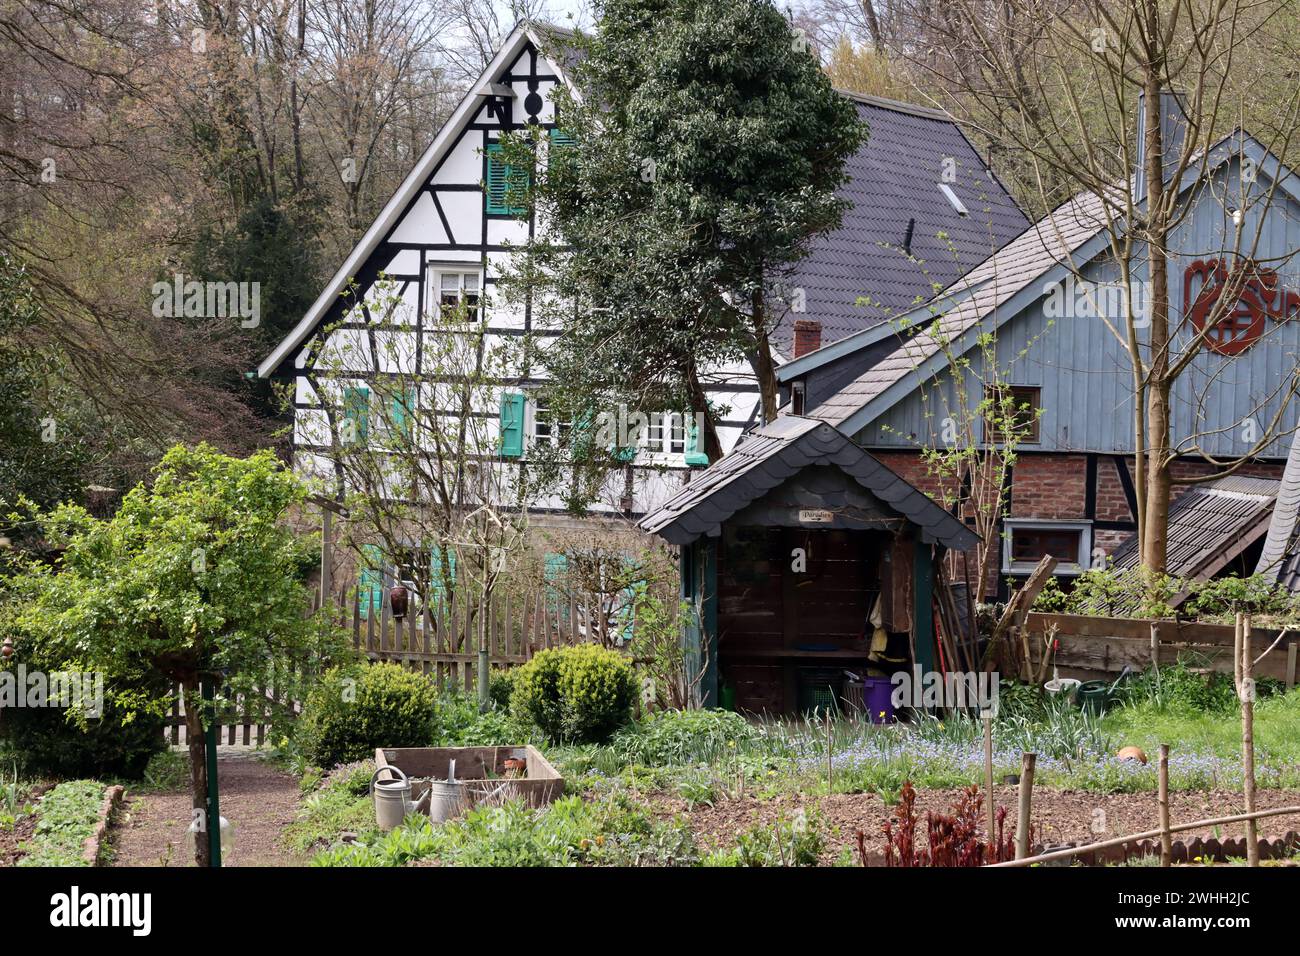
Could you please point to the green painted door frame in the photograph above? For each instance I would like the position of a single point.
(923, 608)
(699, 576)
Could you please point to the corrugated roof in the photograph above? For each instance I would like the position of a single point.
(769, 455)
(859, 276)
(1209, 521)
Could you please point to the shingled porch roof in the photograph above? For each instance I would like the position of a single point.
(768, 456)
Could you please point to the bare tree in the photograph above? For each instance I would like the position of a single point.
(1057, 83)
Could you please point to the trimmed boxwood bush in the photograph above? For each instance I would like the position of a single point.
(581, 694)
(354, 709)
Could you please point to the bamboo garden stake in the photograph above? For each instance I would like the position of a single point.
(988, 778)
(1166, 838)
(1246, 693)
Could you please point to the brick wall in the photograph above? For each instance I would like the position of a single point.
(1054, 486)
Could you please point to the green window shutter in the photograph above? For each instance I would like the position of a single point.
(356, 409)
(695, 455)
(437, 583)
(555, 566)
(501, 181)
(561, 139)
(512, 425)
(403, 411)
(370, 586)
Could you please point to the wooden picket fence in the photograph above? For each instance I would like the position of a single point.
(441, 641)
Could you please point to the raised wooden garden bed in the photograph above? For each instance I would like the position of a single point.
(483, 771)
(1093, 647)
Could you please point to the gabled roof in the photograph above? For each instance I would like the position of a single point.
(768, 456)
(547, 39)
(893, 180)
(858, 276)
(1210, 525)
(1010, 280)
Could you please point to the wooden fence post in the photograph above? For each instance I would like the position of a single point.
(1246, 692)
(988, 781)
(1166, 838)
(1026, 804)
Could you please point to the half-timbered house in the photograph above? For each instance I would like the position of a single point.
(924, 209)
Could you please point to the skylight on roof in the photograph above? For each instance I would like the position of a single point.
(952, 198)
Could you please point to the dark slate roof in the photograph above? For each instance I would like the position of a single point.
(769, 455)
(1209, 521)
(558, 44)
(892, 179)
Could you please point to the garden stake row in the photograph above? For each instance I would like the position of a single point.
(1147, 835)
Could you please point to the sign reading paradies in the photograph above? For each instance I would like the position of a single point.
(815, 516)
(1238, 325)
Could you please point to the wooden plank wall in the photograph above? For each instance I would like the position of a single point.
(1093, 647)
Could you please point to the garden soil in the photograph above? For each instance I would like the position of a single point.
(1059, 816)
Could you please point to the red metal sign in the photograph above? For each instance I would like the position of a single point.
(1238, 325)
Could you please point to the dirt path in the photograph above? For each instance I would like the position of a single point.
(258, 800)
(1059, 815)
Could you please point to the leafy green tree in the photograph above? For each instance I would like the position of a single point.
(698, 158)
(196, 578)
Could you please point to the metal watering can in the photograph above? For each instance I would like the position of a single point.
(393, 798)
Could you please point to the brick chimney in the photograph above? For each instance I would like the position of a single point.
(807, 336)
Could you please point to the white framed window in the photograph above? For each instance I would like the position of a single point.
(1026, 540)
(676, 434)
(455, 293)
(545, 425)
(664, 434)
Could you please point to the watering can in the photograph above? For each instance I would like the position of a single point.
(393, 798)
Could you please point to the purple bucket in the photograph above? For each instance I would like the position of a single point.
(877, 694)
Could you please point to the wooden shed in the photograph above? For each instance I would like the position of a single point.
(796, 549)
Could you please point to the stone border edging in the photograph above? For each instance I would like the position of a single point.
(94, 843)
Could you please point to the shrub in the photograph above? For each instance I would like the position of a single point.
(354, 710)
(500, 688)
(682, 737)
(582, 693)
(1224, 597)
(43, 742)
